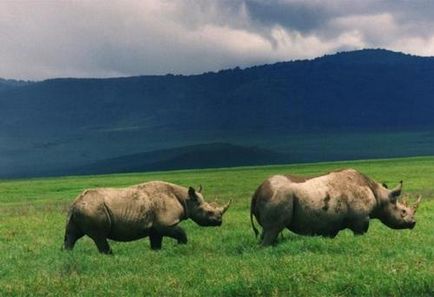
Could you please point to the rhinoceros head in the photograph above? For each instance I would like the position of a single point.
(395, 214)
(202, 212)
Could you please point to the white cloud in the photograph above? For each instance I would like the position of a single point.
(415, 45)
(376, 29)
(43, 39)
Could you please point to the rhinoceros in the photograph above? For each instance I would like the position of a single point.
(151, 209)
(326, 204)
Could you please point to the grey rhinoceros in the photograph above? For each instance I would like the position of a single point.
(326, 204)
(151, 209)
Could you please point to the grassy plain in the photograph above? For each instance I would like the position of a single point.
(223, 261)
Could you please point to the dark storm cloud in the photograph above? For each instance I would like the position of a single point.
(42, 39)
(297, 16)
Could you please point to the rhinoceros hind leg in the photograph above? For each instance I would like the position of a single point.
(103, 246)
(72, 234)
(269, 236)
(156, 240)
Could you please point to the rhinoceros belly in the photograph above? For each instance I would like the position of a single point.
(317, 222)
(128, 231)
(130, 219)
(318, 209)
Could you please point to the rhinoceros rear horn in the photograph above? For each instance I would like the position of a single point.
(404, 200)
(395, 192)
(226, 206)
(416, 205)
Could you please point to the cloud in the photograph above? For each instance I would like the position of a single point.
(43, 39)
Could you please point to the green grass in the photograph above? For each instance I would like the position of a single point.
(223, 261)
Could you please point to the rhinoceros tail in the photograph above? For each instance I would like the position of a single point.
(252, 208)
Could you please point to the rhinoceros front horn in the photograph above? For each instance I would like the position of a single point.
(416, 205)
(226, 206)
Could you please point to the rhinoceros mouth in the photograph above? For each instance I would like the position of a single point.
(407, 225)
(208, 222)
(213, 224)
(218, 223)
(412, 224)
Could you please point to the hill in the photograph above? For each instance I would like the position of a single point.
(213, 155)
(55, 126)
(11, 83)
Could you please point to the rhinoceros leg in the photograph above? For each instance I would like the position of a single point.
(102, 245)
(72, 234)
(175, 232)
(156, 235)
(156, 239)
(269, 235)
(359, 226)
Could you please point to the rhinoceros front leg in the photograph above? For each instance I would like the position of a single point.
(175, 232)
(359, 226)
(156, 239)
(157, 233)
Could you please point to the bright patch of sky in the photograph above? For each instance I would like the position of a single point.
(46, 39)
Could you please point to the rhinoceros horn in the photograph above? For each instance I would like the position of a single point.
(416, 204)
(225, 207)
(404, 200)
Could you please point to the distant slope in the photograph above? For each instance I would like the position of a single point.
(11, 83)
(211, 155)
(59, 124)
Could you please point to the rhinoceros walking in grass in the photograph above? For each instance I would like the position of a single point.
(151, 209)
(326, 204)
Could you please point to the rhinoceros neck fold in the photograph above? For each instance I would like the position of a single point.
(379, 202)
(183, 202)
(375, 212)
(181, 195)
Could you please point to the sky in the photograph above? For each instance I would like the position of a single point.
(47, 39)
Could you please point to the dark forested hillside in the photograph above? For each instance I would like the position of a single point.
(52, 126)
(11, 83)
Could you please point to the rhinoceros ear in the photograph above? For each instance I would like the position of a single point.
(395, 192)
(192, 193)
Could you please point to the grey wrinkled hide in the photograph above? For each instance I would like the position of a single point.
(326, 204)
(151, 209)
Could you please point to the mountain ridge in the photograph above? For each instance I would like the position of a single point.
(59, 124)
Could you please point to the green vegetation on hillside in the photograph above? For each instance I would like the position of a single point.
(223, 261)
(353, 105)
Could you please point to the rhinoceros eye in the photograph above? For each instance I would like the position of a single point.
(403, 211)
